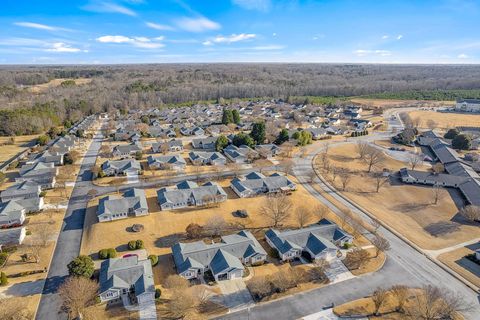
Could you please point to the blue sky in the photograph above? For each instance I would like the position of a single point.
(161, 31)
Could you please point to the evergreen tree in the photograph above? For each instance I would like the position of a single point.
(462, 142)
(236, 116)
(227, 116)
(221, 143)
(258, 132)
(243, 139)
(282, 137)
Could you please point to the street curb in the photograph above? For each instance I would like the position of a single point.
(400, 236)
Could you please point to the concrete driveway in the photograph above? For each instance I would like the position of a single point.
(326, 315)
(235, 295)
(338, 272)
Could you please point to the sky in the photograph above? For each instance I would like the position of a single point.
(171, 31)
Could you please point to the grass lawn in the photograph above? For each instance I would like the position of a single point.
(398, 103)
(466, 268)
(7, 151)
(445, 120)
(410, 211)
(39, 88)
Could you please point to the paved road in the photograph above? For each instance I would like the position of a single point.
(70, 237)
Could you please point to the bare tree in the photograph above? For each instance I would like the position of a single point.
(176, 282)
(287, 166)
(44, 233)
(276, 208)
(381, 244)
(379, 296)
(321, 211)
(345, 177)
(400, 293)
(434, 303)
(438, 168)
(414, 160)
(356, 258)
(373, 157)
(259, 287)
(319, 269)
(334, 170)
(361, 147)
(303, 216)
(380, 180)
(436, 193)
(14, 308)
(376, 225)
(216, 225)
(77, 293)
(471, 213)
(181, 305)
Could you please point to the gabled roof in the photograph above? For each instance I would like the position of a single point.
(132, 199)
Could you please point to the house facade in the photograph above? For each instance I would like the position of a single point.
(127, 280)
(23, 190)
(166, 162)
(242, 154)
(188, 193)
(468, 105)
(319, 241)
(225, 259)
(255, 183)
(207, 158)
(133, 203)
(122, 167)
(128, 150)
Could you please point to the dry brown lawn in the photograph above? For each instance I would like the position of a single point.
(398, 103)
(466, 268)
(373, 264)
(39, 88)
(406, 208)
(7, 151)
(445, 120)
(388, 144)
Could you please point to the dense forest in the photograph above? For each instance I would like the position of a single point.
(139, 86)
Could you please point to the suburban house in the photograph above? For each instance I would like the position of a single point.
(46, 156)
(12, 236)
(319, 241)
(12, 214)
(125, 167)
(207, 157)
(41, 173)
(224, 259)
(317, 133)
(133, 203)
(242, 154)
(196, 131)
(172, 146)
(126, 150)
(468, 105)
(127, 280)
(166, 162)
(267, 150)
(207, 143)
(22, 190)
(458, 174)
(188, 193)
(256, 183)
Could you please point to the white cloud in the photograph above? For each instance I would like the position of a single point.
(400, 36)
(234, 38)
(109, 7)
(38, 26)
(363, 53)
(63, 47)
(274, 34)
(140, 42)
(462, 56)
(260, 5)
(384, 37)
(200, 24)
(162, 27)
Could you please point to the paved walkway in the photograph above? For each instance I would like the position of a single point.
(338, 272)
(326, 315)
(148, 311)
(235, 295)
(436, 253)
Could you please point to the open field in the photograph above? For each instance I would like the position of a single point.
(456, 261)
(445, 120)
(9, 150)
(39, 88)
(410, 211)
(398, 103)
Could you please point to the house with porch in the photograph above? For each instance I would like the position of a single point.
(224, 259)
(242, 154)
(41, 173)
(128, 150)
(207, 143)
(256, 183)
(128, 281)
(112, 207)
(189, 193)
(318, 241)
(172, 146)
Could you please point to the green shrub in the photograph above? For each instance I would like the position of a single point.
(139, 244)
(3, 279)
(158, 293)
(4, 257)
(28, 233)
(81, 266)
(132, 245)
(107, 253)
(153, 259)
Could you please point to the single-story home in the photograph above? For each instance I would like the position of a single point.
(125, 167)
(242, 154)
(207, 143)
(207, 157)
(22, 190)
(319, 241)
(172, 146)
(127, 280)
(126, 150)
(225, 259)
(189, 193)
(12, 236)
(133, 203)
(166, 162)
(267, 150)
(256, 183)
